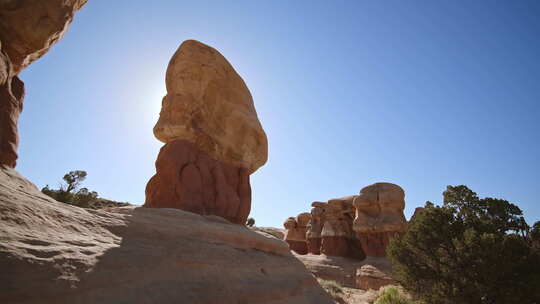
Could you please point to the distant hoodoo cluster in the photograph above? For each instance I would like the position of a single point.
(353, 226)
(213, 137)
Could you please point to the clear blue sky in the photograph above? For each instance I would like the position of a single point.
(424, 94)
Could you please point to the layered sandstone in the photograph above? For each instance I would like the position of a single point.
(379, 216)
(330, 229)
(11, 104)
(295, 233)
(213, 138)
(191, 180)
(27, 30)
(315, 226)
(52, 252)
(338, 238)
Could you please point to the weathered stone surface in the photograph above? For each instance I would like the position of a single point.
(338, 238)
(342, 269)
(379, 216)
(52, 252)
(269, 231)
(11, 104)
(372, 277)
(315, 226)
(27, 30)
(330, 229)
(295, 233)
(213, 137)
(191, 180)
(208, 104)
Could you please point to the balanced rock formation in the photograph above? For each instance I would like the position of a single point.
(213, 137)
(379, 216)
(52, 252)
(27, 30)
(295, 233)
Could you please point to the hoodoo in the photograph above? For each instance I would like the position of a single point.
(213, 137)
(379, 216)
(28, 29)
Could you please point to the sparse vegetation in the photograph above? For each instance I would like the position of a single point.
(250, 222)
(469, 250)
(70, 193)
(333, 288)
(393, 295)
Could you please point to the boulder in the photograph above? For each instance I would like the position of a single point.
(27, 30)
(208, 104)
(52, 252)
(213, 138)
(346, 271)
(379, 217)
(373, 277)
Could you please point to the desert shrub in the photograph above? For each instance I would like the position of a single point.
(469, 250)
(332, 287)
(392, 295)
(250, 222)
(70, 193)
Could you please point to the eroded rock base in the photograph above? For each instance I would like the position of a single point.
(314, 245)
(189, 179)
(374, 244)
(341, 246)
(300, 247)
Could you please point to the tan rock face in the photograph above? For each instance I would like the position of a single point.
(208, 104)
(372, 277)
(379, 216)
(28, 28)
(52, 252)
(213, 138)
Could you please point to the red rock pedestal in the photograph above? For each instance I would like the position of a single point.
(341, 246)
(189, 179)
(374, 244)
(314, 245)
(11, 104)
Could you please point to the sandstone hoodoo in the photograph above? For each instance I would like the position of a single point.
(27, 30)
(338, 238)
(213, 137)
(295, 234)
(379, 216)
(330, 229)
(314, 230)
(354, 226)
